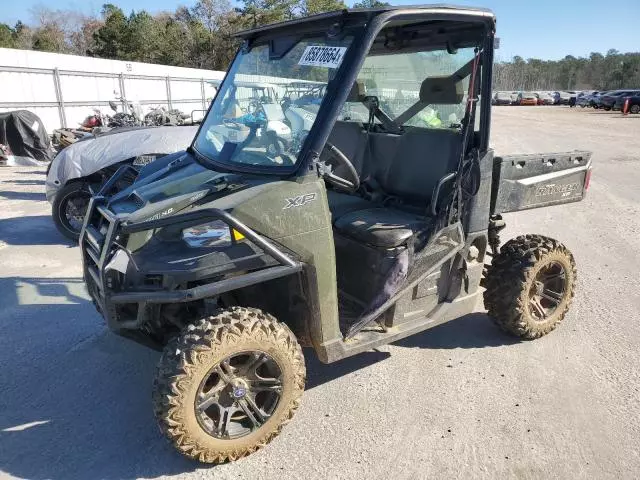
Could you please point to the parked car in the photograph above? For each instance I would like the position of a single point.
(632, 107)
(566, 96)
(584, 98)
(545, 98)
(503, 98)
(563, 98)
(81, 169)
(527, 98)
(609, 100)
(596, 99)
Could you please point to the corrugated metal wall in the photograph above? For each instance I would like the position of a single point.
(63, 89)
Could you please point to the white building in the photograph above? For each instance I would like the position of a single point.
(63, 89)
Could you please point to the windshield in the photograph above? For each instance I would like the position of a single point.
(267, 106)
(396, 81)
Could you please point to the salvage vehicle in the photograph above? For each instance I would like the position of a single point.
(527, 98)
(633, 103)
(230, 261)
(23, 139)
(608, 100)
(300, 104)
(584, 99)
(544, 98)
(565, 98)
(80, 169)
(502, 98)
(253, 115)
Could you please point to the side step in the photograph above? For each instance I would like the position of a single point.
(366, 340)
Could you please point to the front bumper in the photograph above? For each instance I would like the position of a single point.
(109, 267)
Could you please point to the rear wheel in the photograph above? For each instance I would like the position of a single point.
(69, 208)
(635, 109)
(228, 384)
(530, 285)
(607, 109)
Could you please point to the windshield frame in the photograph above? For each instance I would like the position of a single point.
(355, 31)
(364, 29)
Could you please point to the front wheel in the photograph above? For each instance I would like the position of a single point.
(635, 109)
(228, 384)
(69, 208)
(530, 285)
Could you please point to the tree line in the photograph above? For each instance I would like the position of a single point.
(202, 37)
(198, 37)
(611, 71)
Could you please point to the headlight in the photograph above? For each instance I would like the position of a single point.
(211, 234)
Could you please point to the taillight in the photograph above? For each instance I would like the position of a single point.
(587, 179)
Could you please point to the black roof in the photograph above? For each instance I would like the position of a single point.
(367, 13)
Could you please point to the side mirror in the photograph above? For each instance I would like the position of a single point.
(113, 105)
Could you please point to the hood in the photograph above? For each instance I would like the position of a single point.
(176, 183)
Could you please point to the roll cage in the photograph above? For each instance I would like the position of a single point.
(379, 31)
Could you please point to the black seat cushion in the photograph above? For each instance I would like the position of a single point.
(383, 227)
(343, 203)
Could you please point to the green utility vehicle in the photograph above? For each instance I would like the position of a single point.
(377, 225)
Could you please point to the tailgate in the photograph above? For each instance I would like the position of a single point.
(521, 182)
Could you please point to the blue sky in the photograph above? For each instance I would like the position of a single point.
(548, 29)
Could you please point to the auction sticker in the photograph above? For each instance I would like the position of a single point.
(322, 56)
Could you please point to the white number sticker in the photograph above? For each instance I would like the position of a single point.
(321, 56)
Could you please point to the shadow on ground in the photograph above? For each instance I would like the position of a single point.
(319, 373)
(475, 330)
(30, 230)
(76, 398)
(25, 182)
(10, 195)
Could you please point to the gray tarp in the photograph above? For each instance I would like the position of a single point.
(89, 156)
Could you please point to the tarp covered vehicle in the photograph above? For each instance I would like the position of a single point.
(230, 258)
(24, 133)
(81, 168)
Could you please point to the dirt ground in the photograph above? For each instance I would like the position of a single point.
(460, 401)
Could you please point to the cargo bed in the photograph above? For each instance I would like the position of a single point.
(522, 182)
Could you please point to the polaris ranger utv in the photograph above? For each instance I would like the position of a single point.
(376, 226)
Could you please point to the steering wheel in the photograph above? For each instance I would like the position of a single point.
(351, 185)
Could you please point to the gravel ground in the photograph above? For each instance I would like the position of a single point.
(460, 401)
